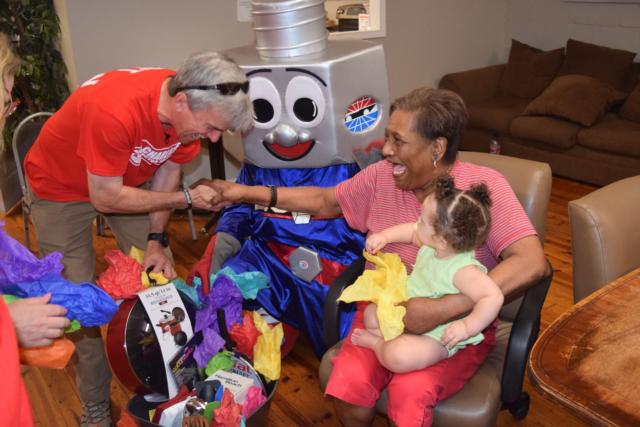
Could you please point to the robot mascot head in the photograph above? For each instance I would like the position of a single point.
(315, 101)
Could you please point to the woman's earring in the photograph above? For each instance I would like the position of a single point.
(435, 162)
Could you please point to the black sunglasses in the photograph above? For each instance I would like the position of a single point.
(223, 88)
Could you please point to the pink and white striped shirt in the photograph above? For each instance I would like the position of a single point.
(371, 202)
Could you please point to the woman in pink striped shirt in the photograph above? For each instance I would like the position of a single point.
(421, 143)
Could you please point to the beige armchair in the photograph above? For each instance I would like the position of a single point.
(498, 382)
(605, 235)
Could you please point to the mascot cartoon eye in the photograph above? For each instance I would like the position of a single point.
(267, 105)
(305, 109)
(262, 110)
(305, 101)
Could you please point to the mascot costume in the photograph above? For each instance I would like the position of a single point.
(315, 104)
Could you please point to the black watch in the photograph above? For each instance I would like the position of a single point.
(163, 238)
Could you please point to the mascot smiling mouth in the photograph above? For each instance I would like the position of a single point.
(289, 154)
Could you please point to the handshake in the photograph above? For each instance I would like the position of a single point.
(214, 194)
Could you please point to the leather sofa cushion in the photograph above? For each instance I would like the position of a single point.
(613, 135)
(496, 114)
(555, 132)
(581, 99)
(603, 63)
(529, 70)
(631, 108)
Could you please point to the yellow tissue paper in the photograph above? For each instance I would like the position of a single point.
(158, 277)
(137, 254)
(266, 351)
(386, 286)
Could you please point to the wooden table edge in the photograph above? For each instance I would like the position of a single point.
(537, 374)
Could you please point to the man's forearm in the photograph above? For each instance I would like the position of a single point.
(165, 181)
(135, 200)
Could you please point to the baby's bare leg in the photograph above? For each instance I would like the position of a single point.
(409, 353)
(371, 319)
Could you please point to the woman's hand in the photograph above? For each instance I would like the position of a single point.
(376, 242)
(225, 193)
(155, 257)
(37, 322)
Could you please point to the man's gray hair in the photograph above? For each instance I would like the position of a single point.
(211, 68)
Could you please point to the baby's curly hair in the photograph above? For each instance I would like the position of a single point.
(462, 217)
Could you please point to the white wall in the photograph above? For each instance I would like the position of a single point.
(429, 38)
(547, 24)
(162, 33)
(425, 38)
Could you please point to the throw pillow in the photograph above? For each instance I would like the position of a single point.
(603, 63)
(631, 108)
(529, 70)
(580, 99)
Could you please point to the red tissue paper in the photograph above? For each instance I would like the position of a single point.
(245, 334)
(229, 413)
(122, 277)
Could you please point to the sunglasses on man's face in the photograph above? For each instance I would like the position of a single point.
(223, 88)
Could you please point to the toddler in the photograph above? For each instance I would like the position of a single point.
(451, 225)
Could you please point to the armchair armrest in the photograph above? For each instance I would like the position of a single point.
(331, 317)
(524, 332)
(474, 85)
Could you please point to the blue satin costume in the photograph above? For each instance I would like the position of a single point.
(288, 298)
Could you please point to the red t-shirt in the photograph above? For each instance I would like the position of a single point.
(16, 409)
(371, 202)
(109, 127)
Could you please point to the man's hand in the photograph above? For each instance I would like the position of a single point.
(456, 331)
(36, 321)
(376, 242)
(203, 197)
(155, 256)
(225, 193)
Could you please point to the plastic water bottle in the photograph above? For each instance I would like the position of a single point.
(494, 146)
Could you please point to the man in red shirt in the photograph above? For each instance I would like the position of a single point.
(116, 147)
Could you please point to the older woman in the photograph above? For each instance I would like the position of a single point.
(36, 322)
(421, 142)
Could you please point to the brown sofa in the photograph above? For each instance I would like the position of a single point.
(577, 109)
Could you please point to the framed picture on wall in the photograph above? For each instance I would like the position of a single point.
(361, 19)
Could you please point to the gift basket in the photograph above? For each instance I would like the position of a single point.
(192, 358)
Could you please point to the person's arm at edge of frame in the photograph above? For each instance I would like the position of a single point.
(320, 201)
(523, 264)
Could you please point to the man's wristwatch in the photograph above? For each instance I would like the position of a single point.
(163, 238)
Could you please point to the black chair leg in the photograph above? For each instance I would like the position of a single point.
(520, 407)
(214, 218)
(100, 226)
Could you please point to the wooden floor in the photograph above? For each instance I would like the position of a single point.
(298, 400)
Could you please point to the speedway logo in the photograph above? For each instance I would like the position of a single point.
(152, 155)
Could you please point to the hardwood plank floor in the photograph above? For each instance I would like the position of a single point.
(298, 400)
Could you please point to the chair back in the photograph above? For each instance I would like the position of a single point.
(24, 136)
(531, 182)
(605, 235)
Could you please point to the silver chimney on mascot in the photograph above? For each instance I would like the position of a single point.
(316, 103)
